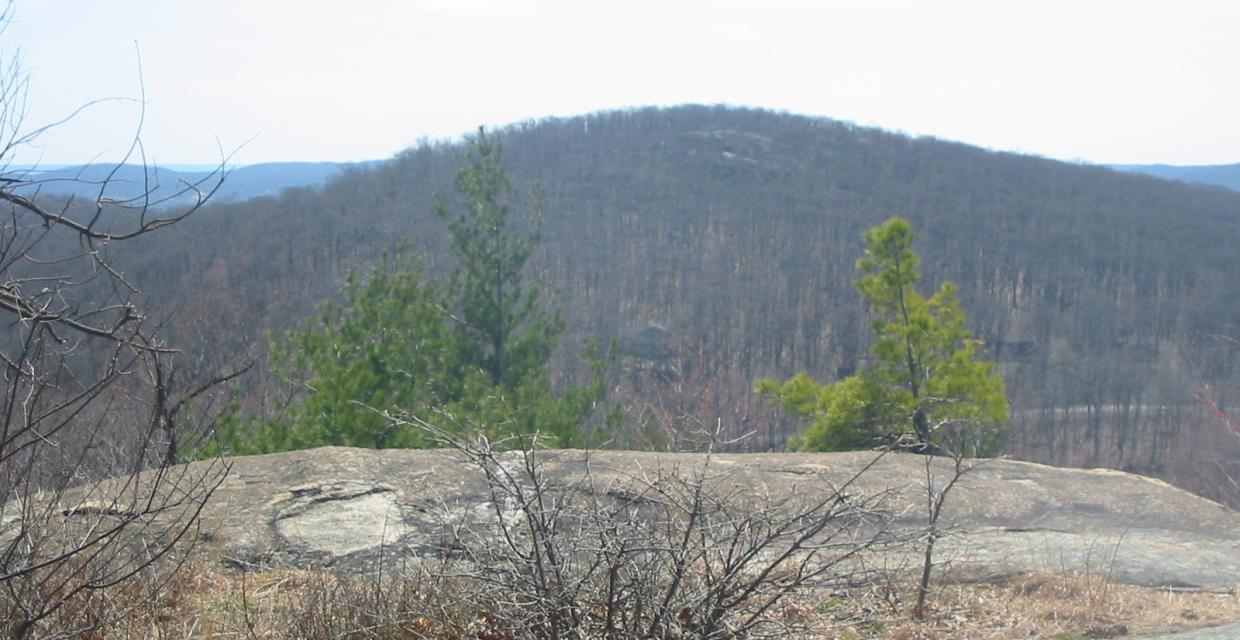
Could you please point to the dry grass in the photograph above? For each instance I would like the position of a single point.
(209, 603)
(204, 602)
(1045, 605)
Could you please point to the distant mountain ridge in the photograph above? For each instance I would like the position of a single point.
(269, 179)
(1221, 175)
(165, 185)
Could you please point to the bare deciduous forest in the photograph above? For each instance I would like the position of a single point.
(718, 245)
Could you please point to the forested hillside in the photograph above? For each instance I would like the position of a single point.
(719, 245)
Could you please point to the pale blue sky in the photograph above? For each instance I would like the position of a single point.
(1102, 81)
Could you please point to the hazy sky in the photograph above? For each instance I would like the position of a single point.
(1095, 80)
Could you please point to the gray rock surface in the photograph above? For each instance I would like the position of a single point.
(341, 507)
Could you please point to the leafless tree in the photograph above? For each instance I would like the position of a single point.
(1217, 448)
(92, 406)
(955, 441)
(670, 400)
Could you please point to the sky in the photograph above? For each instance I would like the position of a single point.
(1098, 81)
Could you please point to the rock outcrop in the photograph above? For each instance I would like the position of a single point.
(347, 508)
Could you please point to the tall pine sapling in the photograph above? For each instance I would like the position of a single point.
(503, 331)
(501, 323)
(925, 377)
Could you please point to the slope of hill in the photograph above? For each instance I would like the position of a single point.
(735, 232)
(1222, 175)
(129, 182)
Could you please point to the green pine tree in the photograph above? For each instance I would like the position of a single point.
(504, 333)
(472, 354)
(386, 348)
(925, 380)
(501, 325)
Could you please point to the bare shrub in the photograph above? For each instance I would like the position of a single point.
(954, 441)
(670, 396)
(666, 554)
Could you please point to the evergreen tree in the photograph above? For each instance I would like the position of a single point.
(501, 324)
(503, 332)
(925, 379)
(386, 347)
(474, 352)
